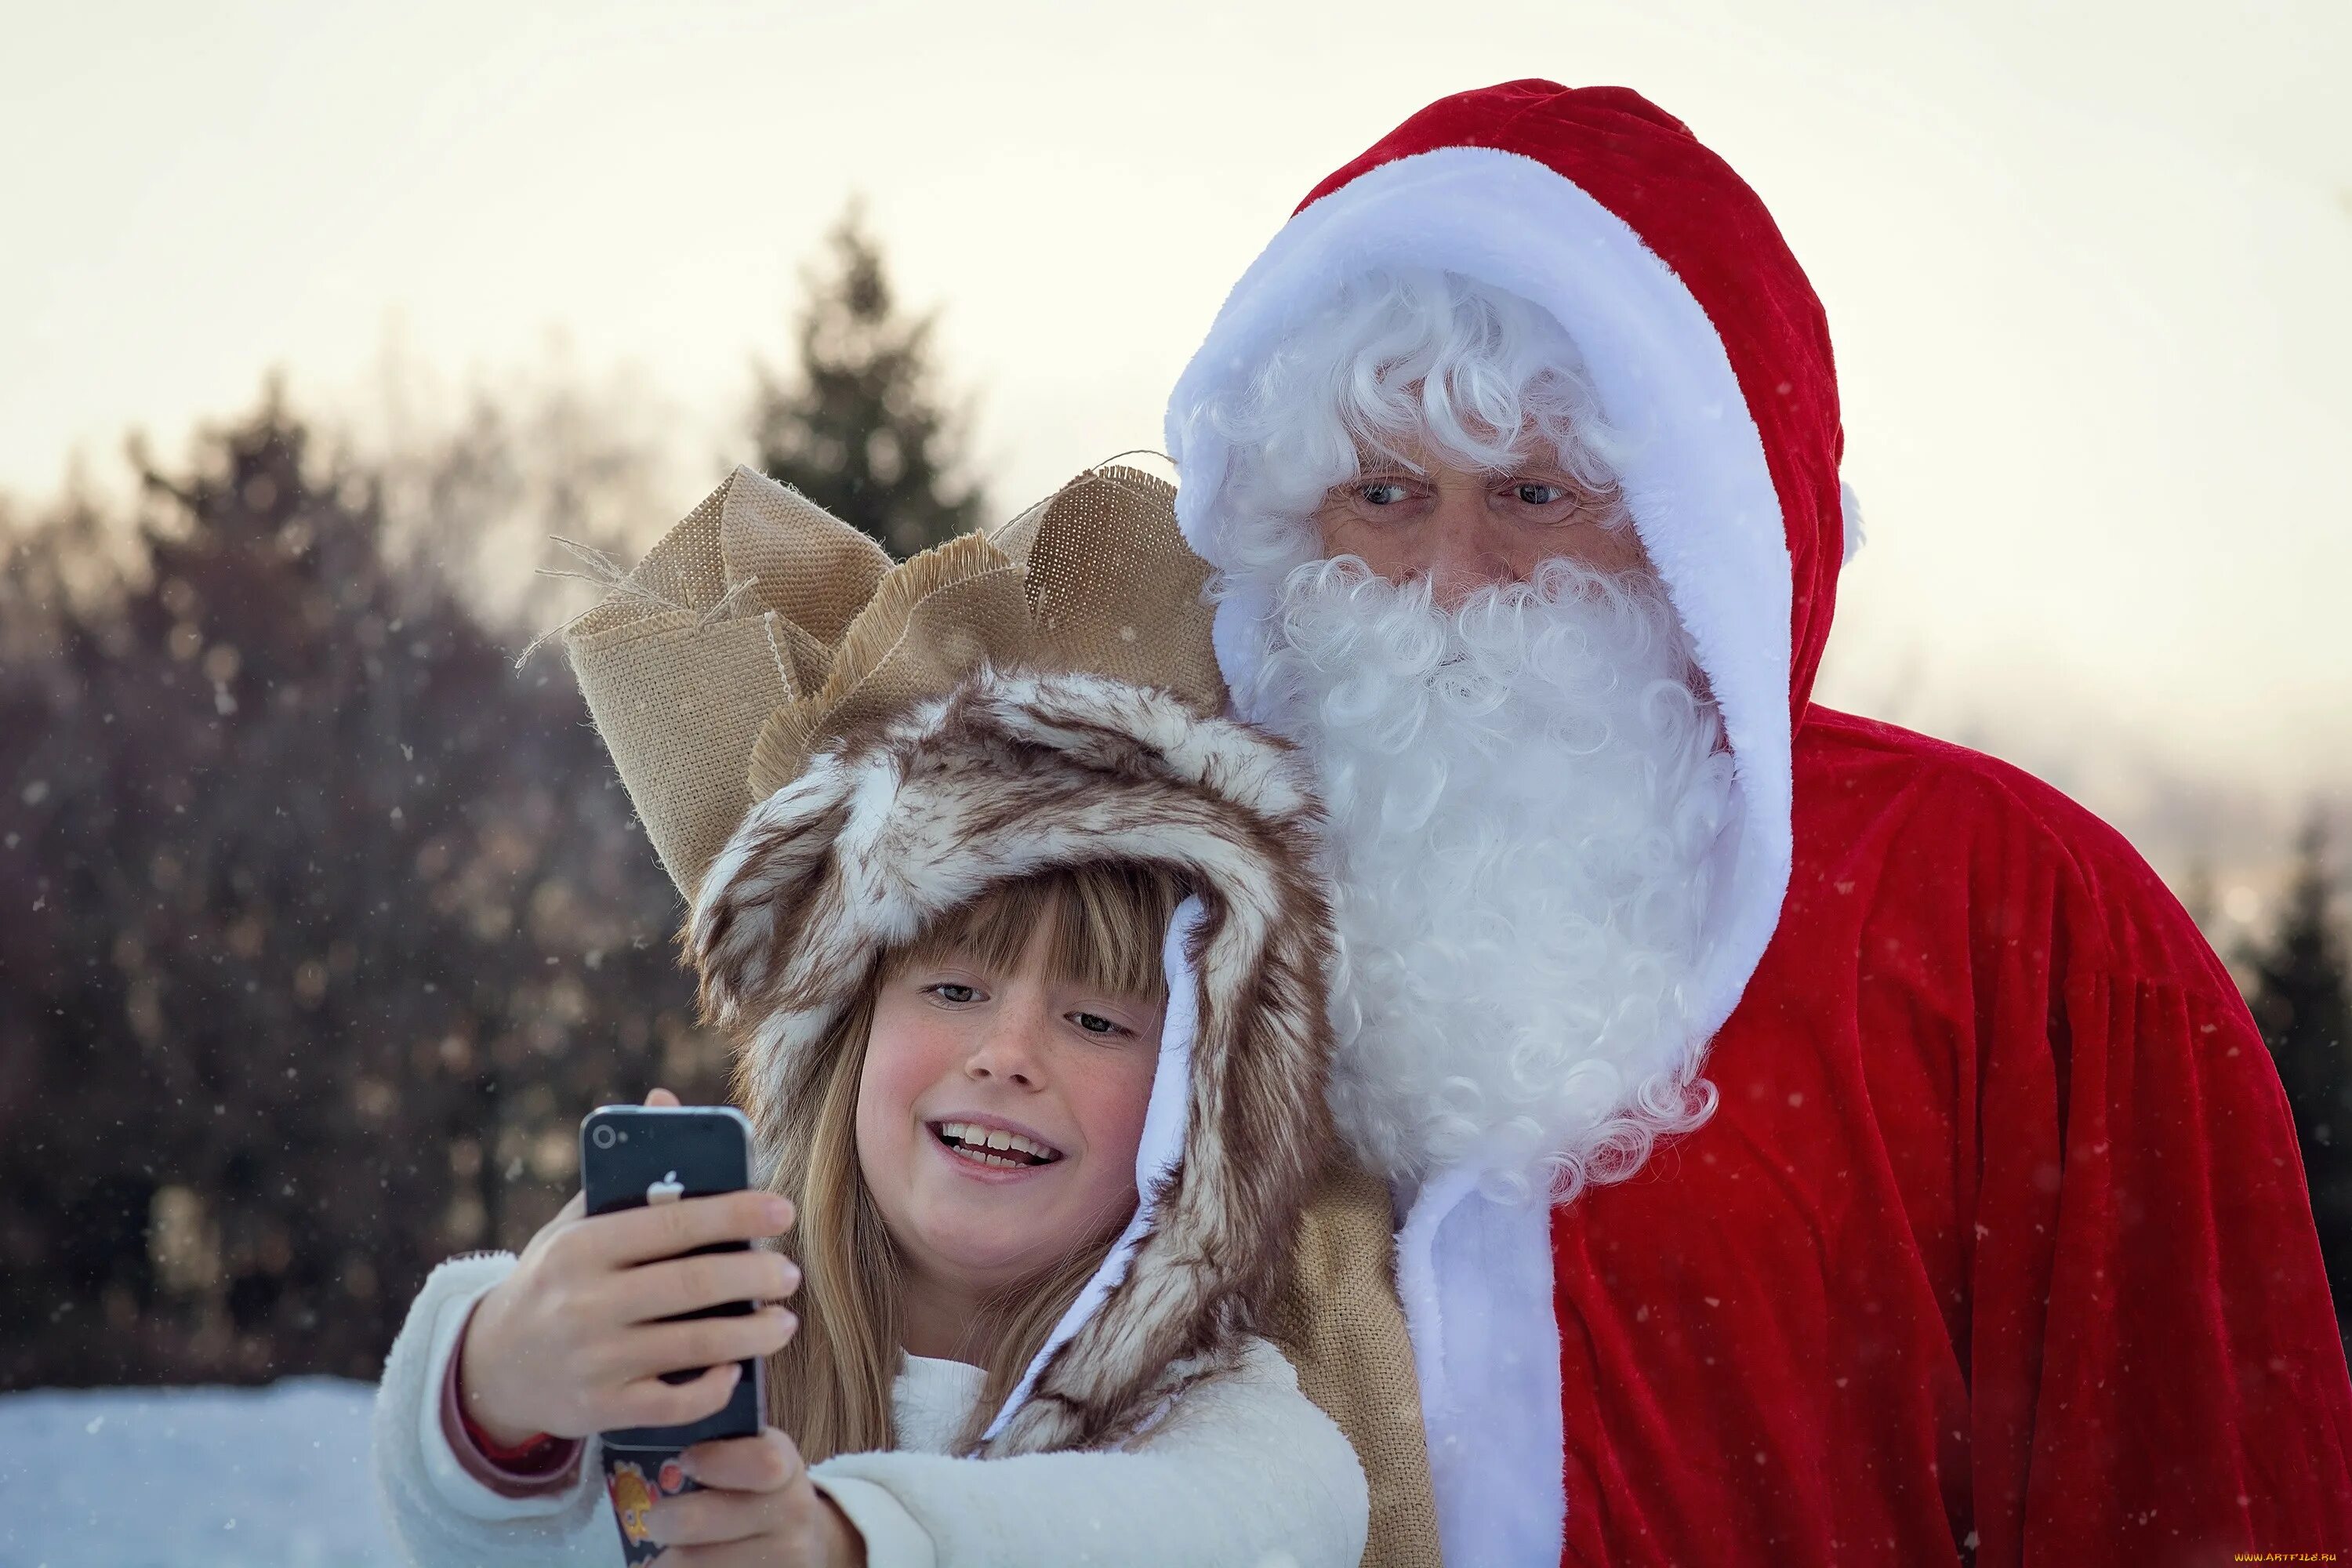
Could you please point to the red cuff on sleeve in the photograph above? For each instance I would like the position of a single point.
(531, 1456)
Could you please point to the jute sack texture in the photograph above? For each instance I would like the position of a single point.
(761, 628)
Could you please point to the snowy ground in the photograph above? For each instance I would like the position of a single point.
(196, 1478)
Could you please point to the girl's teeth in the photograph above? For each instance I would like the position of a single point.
(983, 1157)
(993, 1145)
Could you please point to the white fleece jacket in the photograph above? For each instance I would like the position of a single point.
(1244, 1470)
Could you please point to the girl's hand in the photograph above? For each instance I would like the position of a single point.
(756, 1509)
(570, 1342)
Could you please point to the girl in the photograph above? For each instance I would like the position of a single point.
(1029, 984)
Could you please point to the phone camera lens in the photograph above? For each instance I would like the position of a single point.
(604, 1137)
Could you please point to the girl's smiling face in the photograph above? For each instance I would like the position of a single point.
(999, 1113)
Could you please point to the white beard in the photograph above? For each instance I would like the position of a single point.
(1523, 798)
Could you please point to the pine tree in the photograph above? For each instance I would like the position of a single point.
(319, 927)
(860, 428)
(2302, 1000)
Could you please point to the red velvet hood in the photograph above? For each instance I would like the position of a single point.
(1706, 345)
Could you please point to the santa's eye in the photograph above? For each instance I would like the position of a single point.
(1382, 492)
(1535, 492)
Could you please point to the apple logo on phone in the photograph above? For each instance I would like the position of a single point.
(668, 1190)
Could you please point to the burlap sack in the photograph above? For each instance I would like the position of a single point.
(760, 628)
(1341, 1325)
(732, 615)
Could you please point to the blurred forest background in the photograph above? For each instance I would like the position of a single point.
(321, 923)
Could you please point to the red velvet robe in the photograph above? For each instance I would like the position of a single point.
(1998, 1248)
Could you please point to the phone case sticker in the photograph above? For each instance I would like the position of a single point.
(634, 1481)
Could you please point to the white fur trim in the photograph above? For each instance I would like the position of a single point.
(1698, 485)
(1476, 1279)
(1164, 1127)
(1702, 498)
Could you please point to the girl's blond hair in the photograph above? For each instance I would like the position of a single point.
(831, 1387)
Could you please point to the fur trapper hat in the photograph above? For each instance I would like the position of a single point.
(1013, 773)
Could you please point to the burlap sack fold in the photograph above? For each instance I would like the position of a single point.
(1339, 1321)
(731, 616)
(760, 628)
(931, 621)
(1097, 578)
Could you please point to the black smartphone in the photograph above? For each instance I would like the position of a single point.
(632, 1155)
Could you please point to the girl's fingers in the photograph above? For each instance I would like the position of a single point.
(710, 1518)
(661, 1097)
(664, 1230)
(650, 1402)
(767, 1463)
(652, 1291)
(651, 1349)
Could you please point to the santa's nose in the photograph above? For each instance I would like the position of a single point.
(1463, 554)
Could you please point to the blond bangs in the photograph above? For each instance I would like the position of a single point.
(1106, 925)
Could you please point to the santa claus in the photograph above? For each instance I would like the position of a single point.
(1811, 1142)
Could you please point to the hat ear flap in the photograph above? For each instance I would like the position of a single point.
(761, 892)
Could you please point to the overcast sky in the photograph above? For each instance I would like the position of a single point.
(2086, 267)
